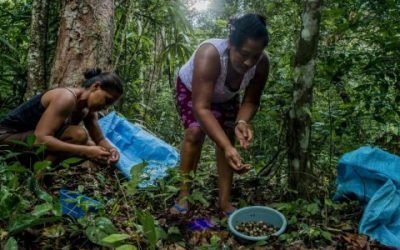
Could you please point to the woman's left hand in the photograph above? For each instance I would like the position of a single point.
(114, 157)
(244, 134)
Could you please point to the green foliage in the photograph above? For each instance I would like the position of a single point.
(99, 229)
(148, 225)
(15, 19)
(354, 103)
(152, 41)
(136, 173)
(126, 247)
(11, 244)
(19, 185)
(312, 221)
(112, 238)
(70, 161)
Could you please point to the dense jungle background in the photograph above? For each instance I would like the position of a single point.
(352, 85)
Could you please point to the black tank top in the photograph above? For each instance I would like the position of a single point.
(26, 116)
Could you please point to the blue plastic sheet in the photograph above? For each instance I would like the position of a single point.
(372, 175)
(136, 146)
(72, 203)
(200, 224)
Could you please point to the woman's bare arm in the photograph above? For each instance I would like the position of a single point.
(252, 95)
(206, 72)
(92, 125)
(60, 105)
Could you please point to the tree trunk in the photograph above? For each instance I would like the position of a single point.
(84, 40)
(299, 115)
(37, 48)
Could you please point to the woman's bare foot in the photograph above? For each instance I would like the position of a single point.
(227, 209)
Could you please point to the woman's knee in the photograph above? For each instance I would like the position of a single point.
(194, 136)
(76, 135)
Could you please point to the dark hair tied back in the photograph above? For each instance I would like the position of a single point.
(253, 26)
(89, 73)
(109, 81)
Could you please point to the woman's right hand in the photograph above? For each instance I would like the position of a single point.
(233, 158)
(97, 153)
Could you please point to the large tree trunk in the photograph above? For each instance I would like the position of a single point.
(299, 116)
(84, 40)
(37, 48)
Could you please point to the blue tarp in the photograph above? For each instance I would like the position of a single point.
(372, 175)
(135, 146)
(72, 203)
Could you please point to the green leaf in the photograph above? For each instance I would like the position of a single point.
(115, 238)
(12, 59)
(42, 209)
(81, 188)
(198, 196)
(137, 169)
(25, 221)
(54, 231)
(161, 234)
(174, 230)
(11, 244)
(215, 239)
(20, 143)
(71, 161)
(172, 189)
(40, 149)
(41, 165)
(126, 247)
(10, 155)
(149, 228)
(30, 140)
(99, 229)
(293, 220)
(8, 202)
(313, 208)
(261, 243)
(57, 210)
(9, 46)
(43, 195)
(17, 168)
(327, 235)
(136, 172)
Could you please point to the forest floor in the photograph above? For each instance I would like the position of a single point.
(307, 230)
(318, 223)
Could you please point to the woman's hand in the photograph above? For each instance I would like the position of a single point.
(98, 154)
(114, 157)
(245, 168)
(243, 133)
(233, 158)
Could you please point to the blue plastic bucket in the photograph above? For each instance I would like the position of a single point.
(254, 214)
(72, 203)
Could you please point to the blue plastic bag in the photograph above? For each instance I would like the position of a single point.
(72, 203)
(200, 224)
(373, 177)
(136, 146)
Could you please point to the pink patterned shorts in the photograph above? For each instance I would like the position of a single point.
(225, 112)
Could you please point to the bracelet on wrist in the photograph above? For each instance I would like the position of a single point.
(240, 121)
